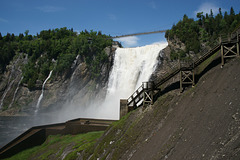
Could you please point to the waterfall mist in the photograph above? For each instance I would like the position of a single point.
(131, 67)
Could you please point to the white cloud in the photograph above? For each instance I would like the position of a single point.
(161, 43)
(129, 41)
(3, 20)
(48, 9)
(206, 7)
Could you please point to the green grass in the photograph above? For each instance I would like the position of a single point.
(55, 145)
(110, 135)
(204, 64)
(24, 154)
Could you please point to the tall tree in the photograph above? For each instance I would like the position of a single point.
(8, 37)
(200, 16)
(21, 36)
(232, 13)
(26, 32)
(220, 13)
(211, 14)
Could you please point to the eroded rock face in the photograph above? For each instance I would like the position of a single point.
(166, 64)
(75, 86)
(10, 82)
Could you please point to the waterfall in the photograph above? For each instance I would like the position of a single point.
(131, 67)
(41, 96)
(5, 93)
(14, 96)
(10, 81)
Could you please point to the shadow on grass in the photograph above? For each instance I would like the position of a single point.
(176, 85)
(213, 64)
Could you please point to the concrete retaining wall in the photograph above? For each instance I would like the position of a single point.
(37, 135)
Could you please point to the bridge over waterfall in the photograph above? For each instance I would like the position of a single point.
(137, 34)
(228, 45)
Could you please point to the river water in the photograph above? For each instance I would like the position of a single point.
(13, 126)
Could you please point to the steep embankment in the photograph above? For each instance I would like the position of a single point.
(201, 123)
(204, 122)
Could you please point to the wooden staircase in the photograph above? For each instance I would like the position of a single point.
(229, 47)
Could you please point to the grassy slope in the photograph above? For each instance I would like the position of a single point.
(59, 147)
(131, 131)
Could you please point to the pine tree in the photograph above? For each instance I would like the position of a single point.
(232, 13)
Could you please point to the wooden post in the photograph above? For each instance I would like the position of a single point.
(151, 95)
(193, 77)
(237, 44)
(134, 104)
(222, 54)
(144, 99)
(181, 84)
(123, 107)
(147, 93)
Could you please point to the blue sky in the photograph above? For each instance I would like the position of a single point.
(112, 17)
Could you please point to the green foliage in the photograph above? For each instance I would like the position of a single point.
(7, 52)
(64, 61)
(206, 29)
(50, 46)
(30, 75)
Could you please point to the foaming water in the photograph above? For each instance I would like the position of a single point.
(132, 66)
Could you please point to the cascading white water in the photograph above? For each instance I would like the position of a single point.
(14, 96)
(10, 82)
(131, 67)
(41, 96)
(5, 93)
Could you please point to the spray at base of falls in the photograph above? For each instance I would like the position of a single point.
(41, 96)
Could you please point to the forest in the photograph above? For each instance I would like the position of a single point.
(204, 30)
(55, 50)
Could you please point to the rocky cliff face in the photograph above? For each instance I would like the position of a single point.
(76, 86)
(166, 64)
(10, 84)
